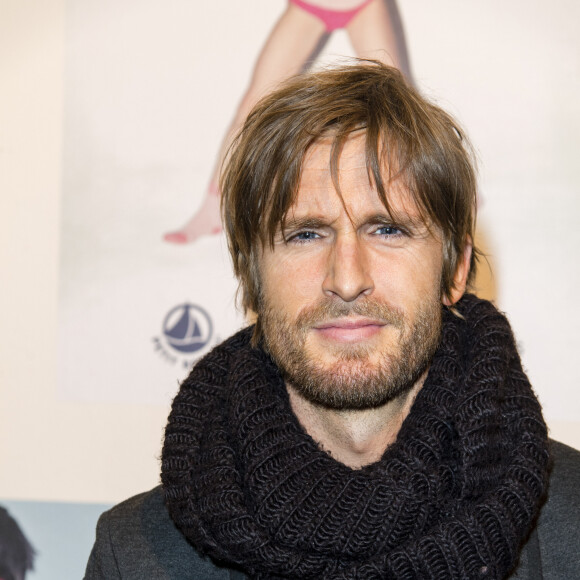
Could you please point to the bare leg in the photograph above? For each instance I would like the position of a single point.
(292, 41)
(376, 32)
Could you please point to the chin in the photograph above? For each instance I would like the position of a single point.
(370, 351)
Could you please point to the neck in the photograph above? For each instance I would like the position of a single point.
(354, 437)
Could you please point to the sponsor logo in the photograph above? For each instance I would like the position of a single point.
(187, 328)
(186, 331)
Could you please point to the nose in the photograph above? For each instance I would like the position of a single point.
(348, 274)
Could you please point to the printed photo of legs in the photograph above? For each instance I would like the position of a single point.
(375, 31)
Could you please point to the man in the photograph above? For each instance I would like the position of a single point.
(375, 422)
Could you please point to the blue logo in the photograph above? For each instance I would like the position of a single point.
(187, 328)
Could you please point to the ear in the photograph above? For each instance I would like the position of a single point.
(460, 276)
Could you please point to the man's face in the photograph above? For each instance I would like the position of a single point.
(351, 302)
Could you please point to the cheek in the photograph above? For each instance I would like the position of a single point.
(408, 276)
(292, 284)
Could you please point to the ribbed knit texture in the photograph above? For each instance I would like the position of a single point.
(452, 498)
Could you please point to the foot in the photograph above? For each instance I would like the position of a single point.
(205, 222)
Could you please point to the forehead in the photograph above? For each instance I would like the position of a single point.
(317, 191)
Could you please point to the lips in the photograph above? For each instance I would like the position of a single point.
(349, 329)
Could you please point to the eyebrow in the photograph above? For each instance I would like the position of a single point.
(303, 223)
(404, 220)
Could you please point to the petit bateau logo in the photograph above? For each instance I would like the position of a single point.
(187, 329)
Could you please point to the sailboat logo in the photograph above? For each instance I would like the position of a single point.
(187, 328)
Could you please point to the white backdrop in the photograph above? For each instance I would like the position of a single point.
(110, 117)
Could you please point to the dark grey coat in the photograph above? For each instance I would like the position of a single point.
(137, 539)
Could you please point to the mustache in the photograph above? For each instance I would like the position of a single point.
(330, 309)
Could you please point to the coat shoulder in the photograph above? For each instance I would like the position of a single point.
(137, 539)
(559, 521)
(553, 548)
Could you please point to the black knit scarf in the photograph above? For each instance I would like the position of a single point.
(452, 498)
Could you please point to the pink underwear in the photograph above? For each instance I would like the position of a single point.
(332, 19)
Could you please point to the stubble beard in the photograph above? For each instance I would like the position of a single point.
(353, 381)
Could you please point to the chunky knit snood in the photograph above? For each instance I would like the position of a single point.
(452, 498)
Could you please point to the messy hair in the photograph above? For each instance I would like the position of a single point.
(16, 552)
(407, 138)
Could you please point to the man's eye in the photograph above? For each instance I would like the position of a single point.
(303, 237)
(388, 231)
